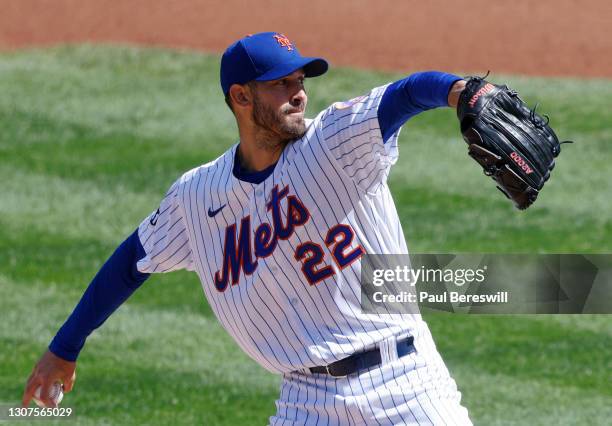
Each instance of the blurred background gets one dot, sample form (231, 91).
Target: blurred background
(562, 38)
(105, 103)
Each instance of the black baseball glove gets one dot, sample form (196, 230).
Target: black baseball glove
(513, 144)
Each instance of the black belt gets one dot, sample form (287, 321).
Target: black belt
(362, 360)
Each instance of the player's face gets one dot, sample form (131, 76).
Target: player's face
(279, 105)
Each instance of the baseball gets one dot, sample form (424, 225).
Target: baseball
(57, 394)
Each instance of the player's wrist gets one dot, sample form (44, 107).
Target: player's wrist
(454, 92)
(62, 351)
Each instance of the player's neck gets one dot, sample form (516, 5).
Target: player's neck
(258, 151)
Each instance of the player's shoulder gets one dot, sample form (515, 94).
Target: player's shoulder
(364, 101)
(341, 117)
(197, 173)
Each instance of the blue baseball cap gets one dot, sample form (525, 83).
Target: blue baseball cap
(263, 57)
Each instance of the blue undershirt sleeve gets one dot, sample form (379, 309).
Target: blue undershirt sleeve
(113, 284)
(412, 95)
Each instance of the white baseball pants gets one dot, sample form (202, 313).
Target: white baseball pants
(413, 390)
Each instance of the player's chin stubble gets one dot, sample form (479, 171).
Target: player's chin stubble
(277, 127)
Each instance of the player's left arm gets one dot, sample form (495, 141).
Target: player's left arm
(362, 133)
(414, 94)
(515, 146)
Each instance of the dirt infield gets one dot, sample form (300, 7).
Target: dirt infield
(545, 37)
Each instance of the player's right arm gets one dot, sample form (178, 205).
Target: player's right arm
(113, 284)
(160, 244)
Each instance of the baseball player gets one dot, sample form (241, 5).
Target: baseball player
(276, 229)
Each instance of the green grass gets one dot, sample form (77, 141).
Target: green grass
(91, 139)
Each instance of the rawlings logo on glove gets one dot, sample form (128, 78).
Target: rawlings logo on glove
(513, 144)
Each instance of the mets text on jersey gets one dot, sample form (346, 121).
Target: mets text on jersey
(238, 253)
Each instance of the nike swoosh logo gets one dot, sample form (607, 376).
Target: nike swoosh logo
(213, 213)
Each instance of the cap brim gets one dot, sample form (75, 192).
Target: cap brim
(313, 67)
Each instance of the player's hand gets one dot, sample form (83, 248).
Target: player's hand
(49, 369)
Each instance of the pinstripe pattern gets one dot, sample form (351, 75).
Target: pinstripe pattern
(289, 316)
(166, 242)
(402, 391)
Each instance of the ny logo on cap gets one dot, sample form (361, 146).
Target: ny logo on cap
(283, 41)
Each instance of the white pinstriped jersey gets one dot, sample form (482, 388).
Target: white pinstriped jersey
(280, 261)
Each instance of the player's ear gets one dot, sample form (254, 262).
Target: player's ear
(240, 95)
